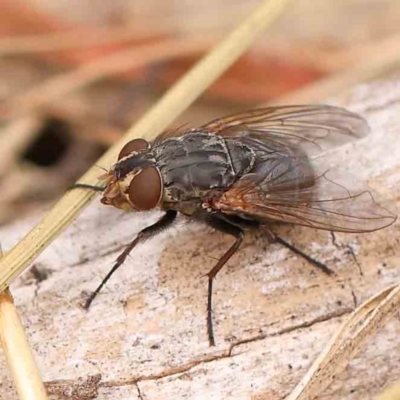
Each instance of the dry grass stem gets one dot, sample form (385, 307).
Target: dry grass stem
(390, 393)
(347, 342)
(18, 353)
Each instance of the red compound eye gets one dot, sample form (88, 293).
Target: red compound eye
(145, 189)
(133, 145)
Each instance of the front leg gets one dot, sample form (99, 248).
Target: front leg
(224, 226)
(163, 223)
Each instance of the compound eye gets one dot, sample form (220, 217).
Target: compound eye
(145, 190)
(134, 145)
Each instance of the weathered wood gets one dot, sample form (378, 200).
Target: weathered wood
(145, 335)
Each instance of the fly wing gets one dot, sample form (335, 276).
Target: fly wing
(312, 127)
(292, 191)
(170, 133)
(317, 127)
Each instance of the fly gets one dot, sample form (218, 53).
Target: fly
(242, 172)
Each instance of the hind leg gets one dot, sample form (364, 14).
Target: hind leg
(277, 239)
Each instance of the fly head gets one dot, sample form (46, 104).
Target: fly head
(134, 183)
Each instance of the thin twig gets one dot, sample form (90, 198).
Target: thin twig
(347, 342)
(177, 99)
(80, 38)
(121, 61)
(18, 353)
(375, 61)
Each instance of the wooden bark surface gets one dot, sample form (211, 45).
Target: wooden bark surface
(145, 335)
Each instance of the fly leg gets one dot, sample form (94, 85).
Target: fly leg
(311, 260)
(274, 238)
(238, 233)
(163, 223)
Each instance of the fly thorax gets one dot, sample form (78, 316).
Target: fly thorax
(197, 163)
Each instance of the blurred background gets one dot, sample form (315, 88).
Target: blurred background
(75, 74)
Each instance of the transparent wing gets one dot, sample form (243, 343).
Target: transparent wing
(170, 133)
(292, 191)
(318, 127)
